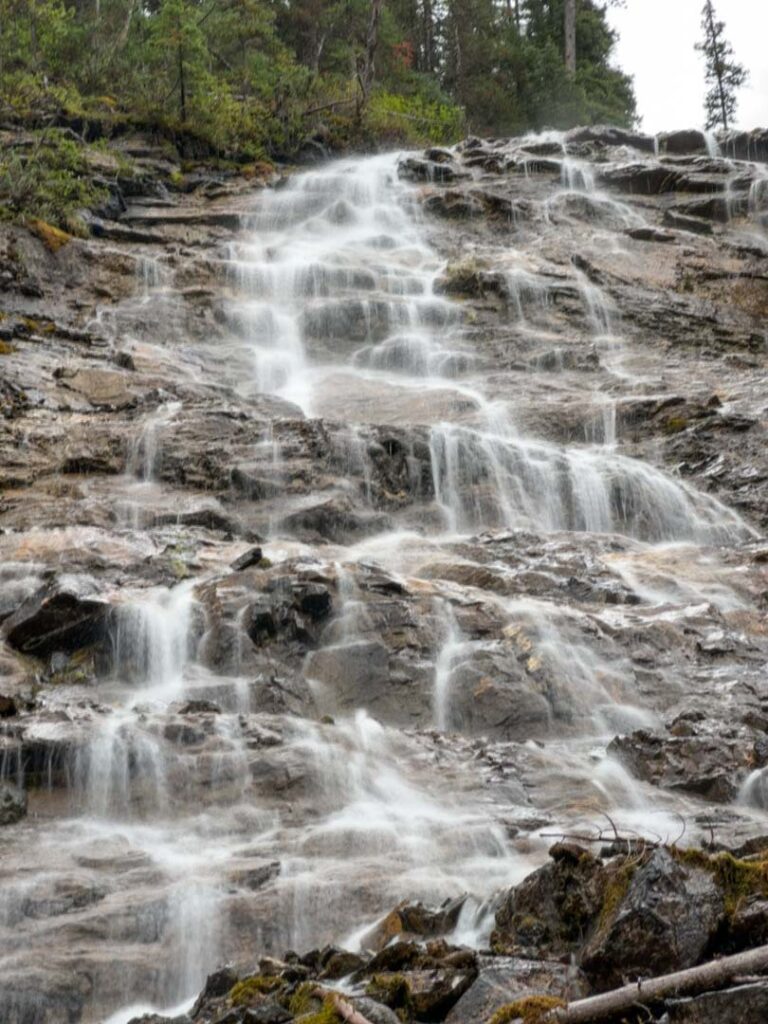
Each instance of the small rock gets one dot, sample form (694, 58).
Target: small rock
(13, 805)
(251, 557)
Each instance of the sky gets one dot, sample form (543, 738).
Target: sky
(656, 40)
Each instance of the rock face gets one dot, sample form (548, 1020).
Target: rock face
(362, 532)
(66, 615)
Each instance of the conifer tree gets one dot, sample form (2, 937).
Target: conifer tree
(723, 74)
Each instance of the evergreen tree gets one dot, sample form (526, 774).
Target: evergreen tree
(723, 74)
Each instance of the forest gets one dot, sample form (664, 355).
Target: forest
(259, 79)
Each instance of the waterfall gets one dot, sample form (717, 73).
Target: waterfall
(453, 575)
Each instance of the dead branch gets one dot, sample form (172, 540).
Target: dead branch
(704, 978)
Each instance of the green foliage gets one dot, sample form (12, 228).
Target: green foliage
(47, 179)
(254, 79)
(413, 120)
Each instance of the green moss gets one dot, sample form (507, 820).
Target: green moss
(265, 563)
(615, 891)
(325, 1015)
(531, 1010)
(394, 991)
(309, 1007)
(248, 990)
(6, 349)
(302, 1001)
(738, 880)
(675, 424)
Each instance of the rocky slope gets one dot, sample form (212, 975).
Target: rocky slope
(363, 533)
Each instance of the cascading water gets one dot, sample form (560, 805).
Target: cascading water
(221, 792)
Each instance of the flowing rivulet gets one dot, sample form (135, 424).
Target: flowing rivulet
(379, 526)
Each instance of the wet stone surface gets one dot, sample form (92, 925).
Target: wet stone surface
(362, 538)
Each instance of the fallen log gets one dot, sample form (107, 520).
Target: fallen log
(704, 978)
(345, 1010)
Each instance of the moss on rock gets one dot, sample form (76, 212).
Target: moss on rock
(529, 1009)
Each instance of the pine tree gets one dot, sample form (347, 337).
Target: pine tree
(723, 74)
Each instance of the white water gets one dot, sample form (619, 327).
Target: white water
(335, 302)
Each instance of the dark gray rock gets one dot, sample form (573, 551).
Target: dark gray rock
(664, 922)
(744, 1004)
(64, 615)
(505, 979)
(13, 805)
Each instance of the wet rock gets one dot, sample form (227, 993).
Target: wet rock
(375, 1012)
(13, 805)
(555, 907)
(64, 615)
(439, 156)
(269, 1012)
(340, 964)
(453, 204)
(282, 696)
(356, 672)
(745, 145)
(217, 984)
(250, 558)
(732, 1006)
(291, 610)
(663, 921)
(427, 995)
(414, 919)
(651, 234)
(642, 179)
(682, 222)
(747, 926)
(103, 389)
(414, 169)
(8, 707)
(702, 761)
(714, 208)
(494, 693)
(682, 142)
(612, 136)
(334, 521)
(502, 980)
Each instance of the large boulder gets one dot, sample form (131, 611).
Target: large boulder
(64, 615)
(414, 919)
(504, 979)
(706, 761)
(662, 921)
(682, 142)
(732, 1006)
(552, 910)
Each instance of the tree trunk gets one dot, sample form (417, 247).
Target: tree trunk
(366, 72)
(429, 38)
(717, 65)
(696, 979)
(182, 83)
(570, 38)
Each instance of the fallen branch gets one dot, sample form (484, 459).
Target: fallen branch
(345, 1010)
(709, 976)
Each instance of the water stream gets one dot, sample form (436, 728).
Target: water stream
(215, 833)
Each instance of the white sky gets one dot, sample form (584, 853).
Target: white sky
(656, 40)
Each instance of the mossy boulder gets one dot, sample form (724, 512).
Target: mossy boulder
(664, 920)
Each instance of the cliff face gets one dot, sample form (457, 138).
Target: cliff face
(362, 530)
